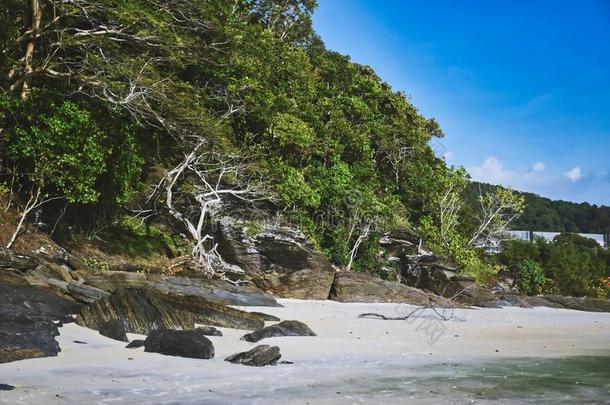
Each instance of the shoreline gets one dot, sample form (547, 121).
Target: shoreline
(346, 351)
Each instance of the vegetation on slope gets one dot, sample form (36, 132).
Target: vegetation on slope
(95, 95)
(544, 214)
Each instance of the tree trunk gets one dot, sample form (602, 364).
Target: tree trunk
(29, 49)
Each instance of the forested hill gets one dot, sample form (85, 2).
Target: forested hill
(544, 214)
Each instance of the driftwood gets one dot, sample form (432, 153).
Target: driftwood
(448, 305)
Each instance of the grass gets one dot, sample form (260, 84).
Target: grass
(134, 239)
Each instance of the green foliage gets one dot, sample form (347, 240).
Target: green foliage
(129, 236)
(530, 277)
(253, 228)
(543, 214)
(64, 147)
(572, 265)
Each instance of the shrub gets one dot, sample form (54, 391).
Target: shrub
(530, 277)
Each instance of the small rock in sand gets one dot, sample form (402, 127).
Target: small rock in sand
(114, 329)
(261, 355)
(134, 344)
(284, 328)
(209, 331)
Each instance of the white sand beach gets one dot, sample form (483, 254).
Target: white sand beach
(352, 360)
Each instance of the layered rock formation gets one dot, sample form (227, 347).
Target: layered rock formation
(278, 259)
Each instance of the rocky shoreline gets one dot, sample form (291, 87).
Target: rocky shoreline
(42, 291)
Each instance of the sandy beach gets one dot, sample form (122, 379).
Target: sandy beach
(352, 360)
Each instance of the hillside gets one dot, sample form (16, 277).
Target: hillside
(544, 214)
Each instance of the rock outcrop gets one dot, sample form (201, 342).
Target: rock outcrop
(182, 343)
(138, 311)
(558, 301)
(22, 337)
(276, 258)
(434, 274)
(261, 355)
(360, 287)
(284, 328)
(141, 311)
(216, 291)
(27, 327)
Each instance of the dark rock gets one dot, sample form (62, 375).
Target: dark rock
(34, 302)
(278, 259)
(55, 271)
(209, 313)
(134, 344)
(261, 355)
(578, 304)
(22, 337)
(360, 287)
(138, 311)
(444, 280)
(6, 387)
(85, 293)
(10, 259)
(209, 331)
(113, 329)
(216, 291)
(182, 343)
(142, 311)
(80, 342)
(266, 317)
(284, 328)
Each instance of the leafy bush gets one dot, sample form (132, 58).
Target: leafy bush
(571, 264)
(530, 277)
(71, 151)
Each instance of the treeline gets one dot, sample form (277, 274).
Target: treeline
(569, 265)
(113, 107)
(544, 214)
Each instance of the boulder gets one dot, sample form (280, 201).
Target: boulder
(261, 355)
(209, 331)
(22, 337)
(182, 343)
(6, 387)
(139, 312)
(134, 344)
(284, 328)
(113, 329)
(34, 302)
(27, 315)
(278, 259)
(360, 287)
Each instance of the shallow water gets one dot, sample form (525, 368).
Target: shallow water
(571, 380)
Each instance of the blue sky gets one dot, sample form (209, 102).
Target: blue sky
(521, 88)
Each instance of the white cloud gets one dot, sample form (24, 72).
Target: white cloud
(492, 171)
(538, 167)
(574, 174)
(448, 156)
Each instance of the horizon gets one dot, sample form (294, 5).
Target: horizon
(526, 108)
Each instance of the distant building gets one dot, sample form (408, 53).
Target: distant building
(493, 246)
